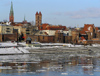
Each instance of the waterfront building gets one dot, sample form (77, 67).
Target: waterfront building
(75, 36)
(7, 33)
(6, 29)
(90, 34)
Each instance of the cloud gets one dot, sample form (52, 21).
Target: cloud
(87, 13)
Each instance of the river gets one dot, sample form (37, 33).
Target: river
(64, 64)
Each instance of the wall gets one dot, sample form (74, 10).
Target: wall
(0, 37)
(9, 37)
(68, 39)
(46, 39)
(59, 37)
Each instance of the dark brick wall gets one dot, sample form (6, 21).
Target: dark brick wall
(75, 36)
(9, 37)
(59, 38)
(46, 39)
(68, 39)
(0, 37)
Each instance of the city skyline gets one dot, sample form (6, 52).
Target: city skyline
(57, 12)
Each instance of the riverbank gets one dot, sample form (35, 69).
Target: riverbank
(9, 48)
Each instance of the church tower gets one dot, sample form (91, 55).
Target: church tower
(11, 15)
(38, 19)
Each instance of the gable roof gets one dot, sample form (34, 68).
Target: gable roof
(87, 27)
(96, 28)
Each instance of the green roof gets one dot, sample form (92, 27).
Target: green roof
(11, 9)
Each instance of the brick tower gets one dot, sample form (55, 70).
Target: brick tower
(11, 15)
(38, 19)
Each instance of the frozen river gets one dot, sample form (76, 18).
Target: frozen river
(64, 64)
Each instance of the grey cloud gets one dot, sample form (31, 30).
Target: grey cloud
(87, 13)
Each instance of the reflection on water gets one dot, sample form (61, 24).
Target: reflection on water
(49, 65)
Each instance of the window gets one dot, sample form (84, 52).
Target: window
(7, 31)
(7, 28)
(27, 30)
(27, 33)
(41, 27)
(43, 37)
(67, 34)
(41, 32)
(34, 29)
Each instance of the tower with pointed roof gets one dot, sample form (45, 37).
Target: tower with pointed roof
(11, 15)
(38, 19)
(25, 21)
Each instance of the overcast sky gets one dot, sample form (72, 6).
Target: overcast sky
(55, 12)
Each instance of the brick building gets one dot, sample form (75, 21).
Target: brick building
(90, 33)
(38, 19)
(75, 36)
(10, 37)
(59, 38)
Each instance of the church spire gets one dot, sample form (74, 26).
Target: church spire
(11, 9)
(11, 15)
(24, 18)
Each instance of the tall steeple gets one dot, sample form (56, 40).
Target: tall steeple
(25, 21)
(11, 15)
(24, 18)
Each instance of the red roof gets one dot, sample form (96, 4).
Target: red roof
(96, 28)
(20, 24)
(56, 28)
(36, 13)
(87, 27)
(48, 27)
(43, 26)
(82, 38)
(40, 13)
(83, 32)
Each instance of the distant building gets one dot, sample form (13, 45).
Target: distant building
(11, 15)
(38, 19)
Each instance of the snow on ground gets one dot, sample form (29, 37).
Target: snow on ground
(16, 50)
(8, 44)
(22, 49)
(13, 50)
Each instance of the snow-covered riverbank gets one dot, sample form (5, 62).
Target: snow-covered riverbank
(13, 48)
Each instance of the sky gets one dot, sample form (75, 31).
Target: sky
(70, 13)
